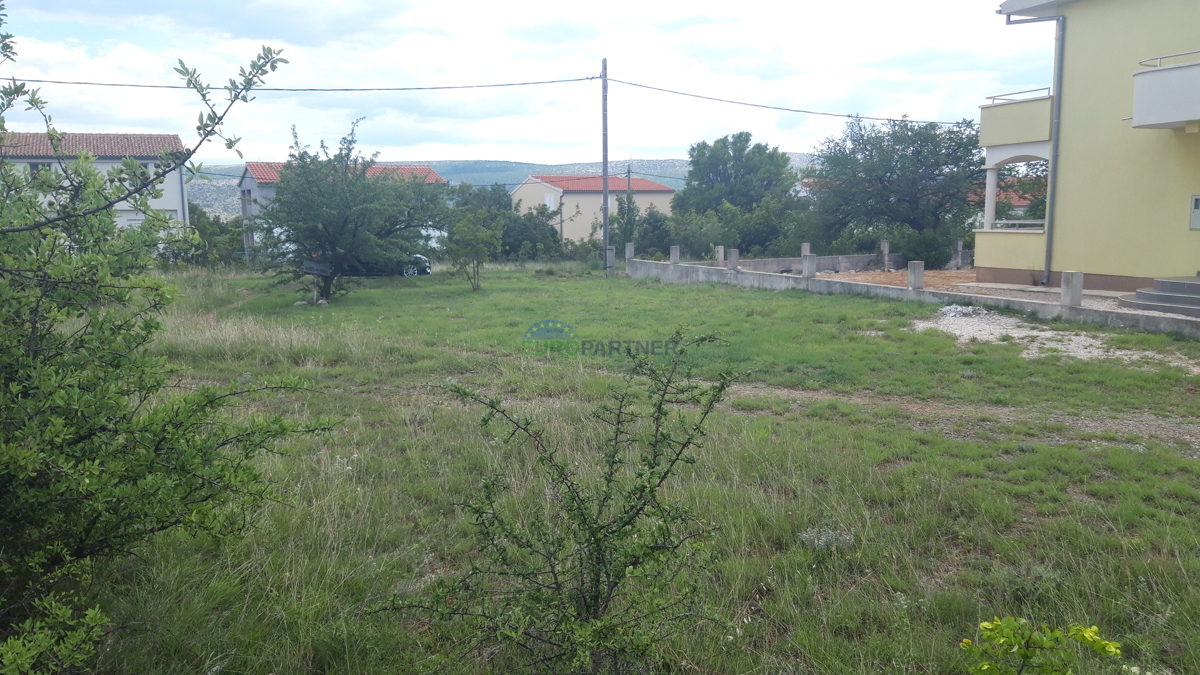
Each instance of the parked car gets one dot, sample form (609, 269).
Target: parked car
(419, 266)
(416, 265)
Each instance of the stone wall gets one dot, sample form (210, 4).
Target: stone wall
(825, 263)
(708, 273)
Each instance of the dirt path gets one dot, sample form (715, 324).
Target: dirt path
(968, 421)
(212, 316)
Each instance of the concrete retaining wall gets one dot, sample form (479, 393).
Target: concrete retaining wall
(825, 263)
(700, 273)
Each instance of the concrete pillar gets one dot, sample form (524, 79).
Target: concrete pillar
(1072, 289)
(805, 249)
(610, 260)
(958, 254)
(886, 247)
(916, 275)
(989, 198)
(674, 255)
(629, 251)
(808, 266)
(720, 254)
(733, 256)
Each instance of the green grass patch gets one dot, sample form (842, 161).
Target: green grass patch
(863, 533)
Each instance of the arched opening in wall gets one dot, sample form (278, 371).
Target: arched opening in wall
(1021, 194)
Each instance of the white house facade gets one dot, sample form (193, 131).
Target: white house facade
(33, 151)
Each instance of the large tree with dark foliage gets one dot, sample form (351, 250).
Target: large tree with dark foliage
(734, 170)
(331, 208)
(921, 175)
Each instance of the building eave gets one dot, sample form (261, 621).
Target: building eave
(1033, 8)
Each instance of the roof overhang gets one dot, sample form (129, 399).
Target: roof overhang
(532, 181)
(1033, 8)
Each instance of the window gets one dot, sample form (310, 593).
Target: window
(37, 167)
(549, 200)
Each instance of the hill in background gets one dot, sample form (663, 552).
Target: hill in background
(219, 194)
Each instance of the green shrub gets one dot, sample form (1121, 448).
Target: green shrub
(1012, 646)
(95, 457)
(593, 581)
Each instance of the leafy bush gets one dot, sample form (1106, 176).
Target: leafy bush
(213, 241)
(1012, 646)
(94, 456)
(611, 567)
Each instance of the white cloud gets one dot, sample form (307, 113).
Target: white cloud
(934, 60)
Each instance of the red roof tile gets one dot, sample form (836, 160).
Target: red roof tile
(595, 184)
(268, 172)
(142, 146)
(264, 172)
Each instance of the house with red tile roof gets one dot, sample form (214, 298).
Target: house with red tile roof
(580, 197)
(32, 151)
(259, 179)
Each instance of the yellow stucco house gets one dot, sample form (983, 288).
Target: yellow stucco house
(580, 198)
(1121, 128)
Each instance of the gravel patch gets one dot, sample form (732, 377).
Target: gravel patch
(978, 324)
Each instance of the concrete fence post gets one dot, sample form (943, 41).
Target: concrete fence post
(629, 251)
(916, 275)
(720, 255)
(805, 249)
(1072, 289)
(674, 255)
(886, 247)
(610, 260)
(733, 259)
(808, 266)
(958, 254)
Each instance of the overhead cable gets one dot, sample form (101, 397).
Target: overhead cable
(317, 89)
(501, 85)
(775, 107)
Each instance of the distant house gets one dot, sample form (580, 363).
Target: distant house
(34, 152)
(580, 197)
(259, 179)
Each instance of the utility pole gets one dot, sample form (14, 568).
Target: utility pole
(608, 270)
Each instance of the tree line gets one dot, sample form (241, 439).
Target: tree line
(918, 185)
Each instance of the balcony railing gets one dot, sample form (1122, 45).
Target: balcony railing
(1011, 97)
(1167, 96)
(1020, 225)
(1156, 61)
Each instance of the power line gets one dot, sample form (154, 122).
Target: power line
(658, 175)
(316, 89)
(775, 107)
(495, 86)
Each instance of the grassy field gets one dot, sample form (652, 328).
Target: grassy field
(972, 482)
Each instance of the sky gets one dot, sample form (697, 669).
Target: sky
(927, 59)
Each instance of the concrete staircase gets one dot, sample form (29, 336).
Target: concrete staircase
(1176, 295)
